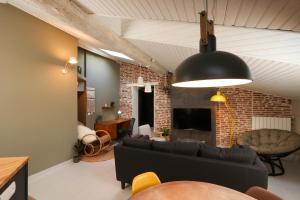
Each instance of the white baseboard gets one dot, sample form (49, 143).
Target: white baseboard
(37, 176)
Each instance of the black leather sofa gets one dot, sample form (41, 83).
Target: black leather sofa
(238, 168)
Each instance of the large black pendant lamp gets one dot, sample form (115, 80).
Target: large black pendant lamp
(211, 68)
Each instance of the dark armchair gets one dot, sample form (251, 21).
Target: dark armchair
(271, 145)
(122, 132)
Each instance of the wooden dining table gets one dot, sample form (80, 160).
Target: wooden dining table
(189, 190)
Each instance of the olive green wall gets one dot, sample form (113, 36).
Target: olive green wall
(37, 103)
(104, 75)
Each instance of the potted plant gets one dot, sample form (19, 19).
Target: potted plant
(78, 150)
(165, 132)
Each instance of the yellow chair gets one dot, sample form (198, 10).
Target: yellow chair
(144, 181)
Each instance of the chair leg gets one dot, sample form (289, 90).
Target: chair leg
(123, 185)
(272, 167)
(272, 162)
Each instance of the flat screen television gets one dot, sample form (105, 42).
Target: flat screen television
(192, 118)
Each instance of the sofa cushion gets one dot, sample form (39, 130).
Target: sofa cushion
(237, 153)
(208, 151)
(162, 146)
(241, 154)
(137, 143)
(142, 137)
(186, 148)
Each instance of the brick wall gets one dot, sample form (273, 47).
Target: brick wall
(162, 102)
(245, 104)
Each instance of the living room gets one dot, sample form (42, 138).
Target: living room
(91, 99)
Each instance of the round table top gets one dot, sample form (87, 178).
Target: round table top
(189, 190)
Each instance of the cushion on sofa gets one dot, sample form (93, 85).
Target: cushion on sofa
(186, 148)
(162, 146)
(138, 143)
(237, 153)
(208, 151)
(139, 136)
(241, 154)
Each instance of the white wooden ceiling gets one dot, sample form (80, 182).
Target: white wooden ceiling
(265, 33)
(272, 14)
(282, 46)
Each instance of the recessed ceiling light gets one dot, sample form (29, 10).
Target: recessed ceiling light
(116, 54)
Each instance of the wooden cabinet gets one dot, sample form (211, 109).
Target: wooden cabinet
(112, 126)
(14, 174)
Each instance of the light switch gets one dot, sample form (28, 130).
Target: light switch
(8, 192)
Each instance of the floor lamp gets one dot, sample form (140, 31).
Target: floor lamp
(220, 98)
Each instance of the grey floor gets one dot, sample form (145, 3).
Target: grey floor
(96, 181)
(288, 185)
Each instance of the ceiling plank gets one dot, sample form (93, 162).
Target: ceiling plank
(271, 13)
(211, 13)
(132, 9)
(292, 22)
(139, 6)
(189, 8)
(147, 6)
(171, 8)
(244, 12)
(164, 9)
(181, 10)
(221, 8)
(285, 14)
(257, 12)
(232, 12)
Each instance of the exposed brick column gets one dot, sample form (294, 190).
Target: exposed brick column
(162, 102)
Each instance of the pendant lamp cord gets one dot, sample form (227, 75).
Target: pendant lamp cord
(205, 3)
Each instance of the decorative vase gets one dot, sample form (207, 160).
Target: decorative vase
(76, 159)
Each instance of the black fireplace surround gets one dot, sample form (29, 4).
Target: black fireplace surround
(193, 98)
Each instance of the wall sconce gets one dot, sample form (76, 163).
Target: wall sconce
(119, 114)
(70, 64)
